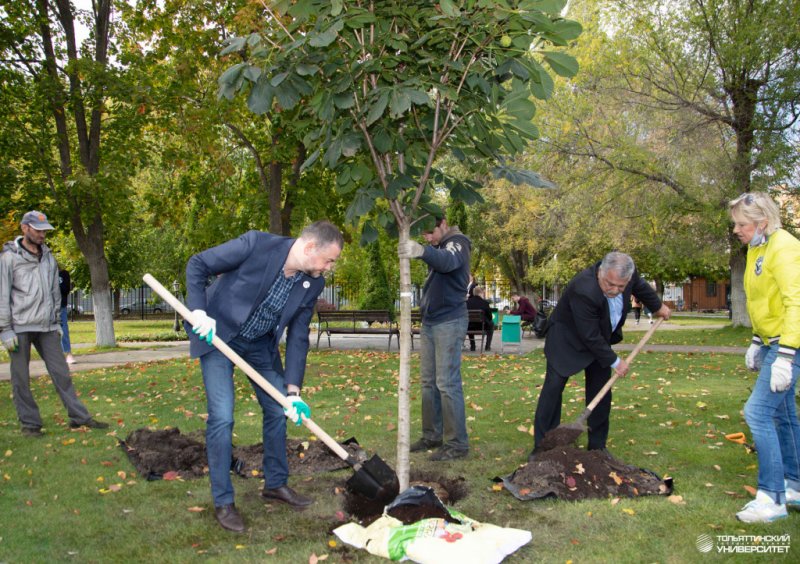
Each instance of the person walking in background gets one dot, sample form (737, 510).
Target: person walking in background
(30, 302)
(477, 301)
(586, 322)
(636, 306)
(65, 286)
(772, 288)
(262, 285)
(444, 326)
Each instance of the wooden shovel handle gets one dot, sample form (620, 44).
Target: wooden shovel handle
(602, 393)
(246, 368)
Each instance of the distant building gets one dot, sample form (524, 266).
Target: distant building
(700, 294)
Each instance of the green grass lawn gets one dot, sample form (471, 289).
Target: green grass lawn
(724, 336)
(59, 502)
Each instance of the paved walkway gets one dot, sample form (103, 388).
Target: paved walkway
(155, 351)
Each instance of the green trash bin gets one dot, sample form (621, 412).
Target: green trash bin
(511, 332)
(495, 316)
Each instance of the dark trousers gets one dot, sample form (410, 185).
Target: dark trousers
(487, 343)
(48, 345)
(548, 409)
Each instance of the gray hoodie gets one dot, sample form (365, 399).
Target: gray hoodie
(30, 298)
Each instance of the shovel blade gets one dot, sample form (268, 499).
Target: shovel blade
(375, 480)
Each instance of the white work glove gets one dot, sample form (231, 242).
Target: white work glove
(10, 342)
(60, 331)
(410, 249)
(204, 326)
(299, 407)
(752, 358)
(781, 377)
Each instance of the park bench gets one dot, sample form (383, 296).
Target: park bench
(356, 322)
(475, 316)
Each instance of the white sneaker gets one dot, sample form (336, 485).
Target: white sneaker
(761, 510)
(70, 359)
(792, 497)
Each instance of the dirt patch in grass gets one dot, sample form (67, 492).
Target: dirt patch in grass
(574, 474)
(155, 453)
(305, 457)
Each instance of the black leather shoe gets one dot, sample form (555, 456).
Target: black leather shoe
(604, 450)
(424, 444)
(32, 432)
(229, 519)
(287, 495)
(91, 423)
(448, 453)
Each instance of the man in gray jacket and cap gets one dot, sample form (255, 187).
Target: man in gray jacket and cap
(30, 300)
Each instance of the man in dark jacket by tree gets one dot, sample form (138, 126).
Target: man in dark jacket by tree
(444, 326)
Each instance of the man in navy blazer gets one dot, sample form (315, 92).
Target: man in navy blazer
(586, 322)
(247, 291)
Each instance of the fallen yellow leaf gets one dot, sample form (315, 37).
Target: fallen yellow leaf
(629, 511)
(676, 499)
(196, 509)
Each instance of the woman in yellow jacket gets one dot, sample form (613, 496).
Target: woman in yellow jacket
(772, 287)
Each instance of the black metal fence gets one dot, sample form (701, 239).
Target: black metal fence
(142, 303)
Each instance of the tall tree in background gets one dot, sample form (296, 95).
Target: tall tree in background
(389, 87)
(81, 124)
(735, 65)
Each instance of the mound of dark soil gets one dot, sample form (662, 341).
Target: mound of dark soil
(156, 452)
(571, 473)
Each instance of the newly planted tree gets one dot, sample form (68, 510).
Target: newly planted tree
(391, 86)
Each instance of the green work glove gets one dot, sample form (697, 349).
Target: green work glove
(299, 408)
(204, 326)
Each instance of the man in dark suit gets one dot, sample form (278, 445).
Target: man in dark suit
(476, 301)
(586, 322)
(264, 284)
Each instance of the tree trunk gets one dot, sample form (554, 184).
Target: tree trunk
(275, 191)
(90, 242)
(739, 315)
(743, 96)
(404, 385)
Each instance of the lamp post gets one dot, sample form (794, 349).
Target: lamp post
(176, 326)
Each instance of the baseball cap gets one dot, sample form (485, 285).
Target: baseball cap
(37, 220)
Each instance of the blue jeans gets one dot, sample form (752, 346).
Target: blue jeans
(772, 418)
(443, 412)
(65, 345)
(218, 381)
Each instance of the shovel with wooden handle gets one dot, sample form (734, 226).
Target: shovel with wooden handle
(373, 478)
(564, 435)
